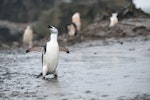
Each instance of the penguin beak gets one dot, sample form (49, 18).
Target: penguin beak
(50, 26)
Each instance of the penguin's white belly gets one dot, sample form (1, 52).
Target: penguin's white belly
(113, 21)
(27, 38)
(50, 58)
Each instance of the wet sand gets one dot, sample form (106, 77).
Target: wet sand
(94, 70)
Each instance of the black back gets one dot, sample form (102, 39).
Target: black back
(43, 53)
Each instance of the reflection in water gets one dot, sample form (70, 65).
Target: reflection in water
(51, 84)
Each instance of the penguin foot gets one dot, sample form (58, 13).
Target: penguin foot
(47, 79)
(39, 75)
(55, 75)
(43, 78)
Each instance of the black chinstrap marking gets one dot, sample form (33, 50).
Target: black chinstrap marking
(49, 26)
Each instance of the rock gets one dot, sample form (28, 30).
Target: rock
(10, 32)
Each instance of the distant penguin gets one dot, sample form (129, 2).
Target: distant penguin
(76, 20)
(50, 53)
(113, 20)
(72, 29)
(27, 37)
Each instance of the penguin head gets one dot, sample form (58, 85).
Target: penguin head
(28, 27)
(114, 14)
(52, 29)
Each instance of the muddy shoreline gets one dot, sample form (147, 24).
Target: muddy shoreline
(127, 28)
(103, 64)
(94, 70)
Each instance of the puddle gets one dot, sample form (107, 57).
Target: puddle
(89, 72)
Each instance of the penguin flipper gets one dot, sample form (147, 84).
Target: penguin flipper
(34, 49)
(44, 47)
(63, 49)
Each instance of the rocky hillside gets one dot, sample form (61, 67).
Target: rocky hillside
(23, 10)
(40, 13)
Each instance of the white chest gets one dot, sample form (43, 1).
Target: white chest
(50, 58)
(113, 21)
(28, 34)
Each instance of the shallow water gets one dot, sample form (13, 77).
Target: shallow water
(92, 71)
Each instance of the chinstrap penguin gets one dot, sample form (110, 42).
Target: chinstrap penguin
(72, 29)
(76, 20)
(28, 36)
(50, 54)
(113, 20)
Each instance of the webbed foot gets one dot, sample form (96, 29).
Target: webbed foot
(39, 75)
